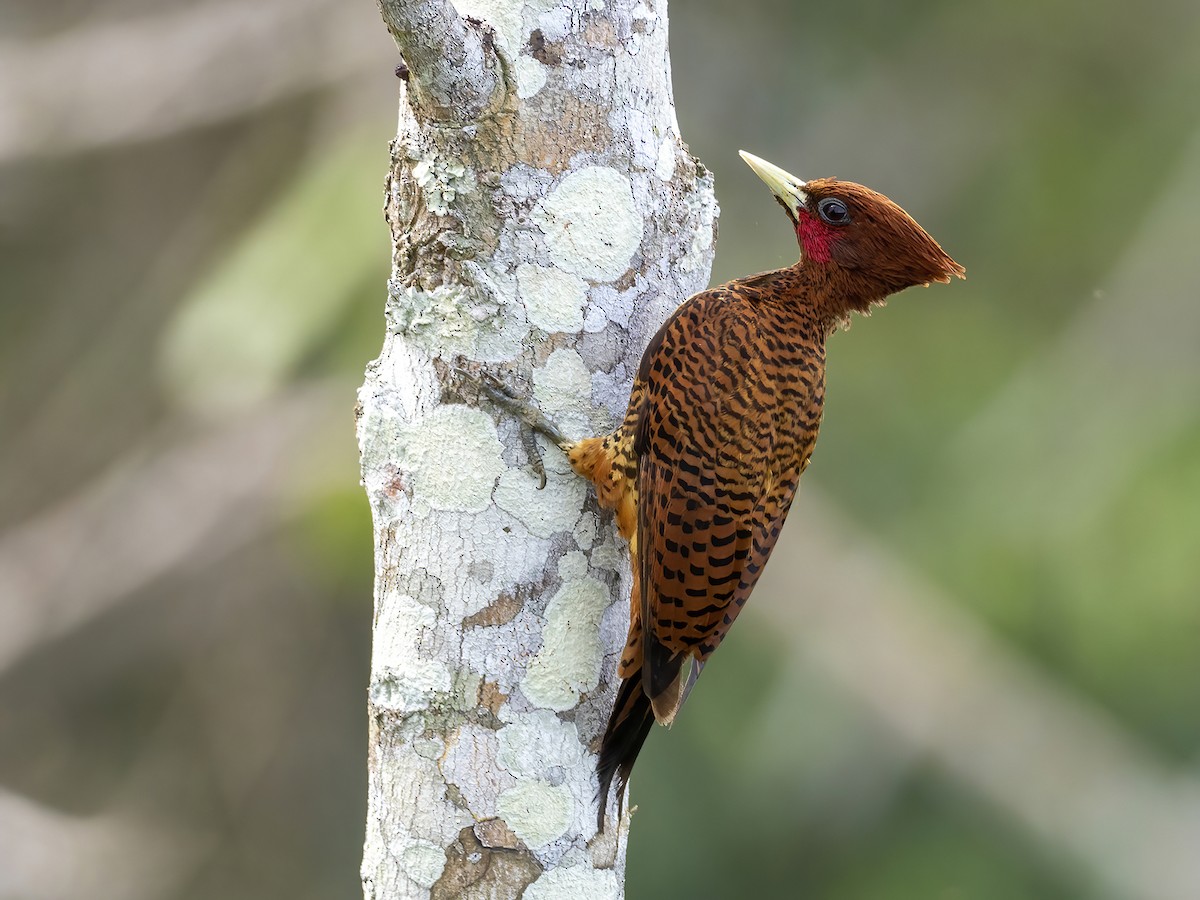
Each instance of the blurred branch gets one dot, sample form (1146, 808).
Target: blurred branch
(154, 76)
(155, 512)
(453, 67)
(48, 855)
(1044, 755)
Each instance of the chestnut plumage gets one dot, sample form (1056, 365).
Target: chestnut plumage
(721, 423)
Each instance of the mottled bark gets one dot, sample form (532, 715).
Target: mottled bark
(546, 217)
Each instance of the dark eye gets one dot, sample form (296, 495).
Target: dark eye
(834, 211)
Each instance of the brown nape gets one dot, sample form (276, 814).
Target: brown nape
(880, 252)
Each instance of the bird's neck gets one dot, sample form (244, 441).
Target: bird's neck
(818, 293)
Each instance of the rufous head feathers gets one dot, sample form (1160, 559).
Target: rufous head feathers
(867, 245)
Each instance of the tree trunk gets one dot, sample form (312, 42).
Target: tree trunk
(545, 217)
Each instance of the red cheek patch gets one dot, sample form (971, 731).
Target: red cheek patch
(816, 238)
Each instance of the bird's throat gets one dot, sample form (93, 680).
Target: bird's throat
(816, 238)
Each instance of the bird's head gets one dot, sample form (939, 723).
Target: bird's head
(867, 245)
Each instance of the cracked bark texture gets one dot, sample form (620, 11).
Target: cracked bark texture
(546, 217)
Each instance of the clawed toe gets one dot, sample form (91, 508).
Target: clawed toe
(497, 389)
(530, 416)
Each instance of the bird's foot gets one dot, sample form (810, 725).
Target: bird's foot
(532, 418)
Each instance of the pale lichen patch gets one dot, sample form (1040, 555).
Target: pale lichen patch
(500, 337)
(573, 564)
(454, 457)
(595, 319)
(423, 862)
(702, 214)
(585, 530)
(579, 882)
(611, 391)
(608, 555)
(470, 753)
(404, 676)
(665, 167)
(415, 785)
(446, 317)
(637, 124)
(503, 344)
(530, 76)
(544, 512)
(606, 304)
(553, 298)
(517, 557)
(409, 690)
(556, 24)
(477, 319)
(503, 15)
(568, 662)
(441, 181)
(536, 811)
(563, 388)
(591, 225)
(429, 747)
(535, 742)
(392, 394)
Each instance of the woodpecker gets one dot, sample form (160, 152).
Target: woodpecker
(721, 423)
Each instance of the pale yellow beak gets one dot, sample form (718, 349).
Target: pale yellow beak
(787, 188)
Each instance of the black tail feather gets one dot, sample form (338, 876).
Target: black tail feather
(660, 665)
(630, 722)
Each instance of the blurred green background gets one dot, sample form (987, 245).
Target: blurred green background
(973, 669)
